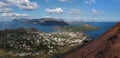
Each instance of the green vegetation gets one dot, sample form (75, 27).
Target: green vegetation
(82, 28)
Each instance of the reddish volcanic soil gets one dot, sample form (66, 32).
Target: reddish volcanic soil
(106, 46)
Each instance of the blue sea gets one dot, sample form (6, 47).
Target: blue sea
(104, 26)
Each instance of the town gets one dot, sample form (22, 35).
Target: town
(23, 42)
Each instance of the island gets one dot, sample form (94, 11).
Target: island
(43, 21)
(80, 28)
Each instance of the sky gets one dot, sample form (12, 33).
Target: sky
(68, 10)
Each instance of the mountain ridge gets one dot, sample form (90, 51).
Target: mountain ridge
(43, 21)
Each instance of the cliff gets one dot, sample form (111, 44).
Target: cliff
(106, 46)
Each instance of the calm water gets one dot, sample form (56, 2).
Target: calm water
(104, 26)
(93, 34)
(15, 25)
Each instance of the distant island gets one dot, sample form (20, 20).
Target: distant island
(81, 28)
(43, 21)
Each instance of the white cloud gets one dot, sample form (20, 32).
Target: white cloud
(5, 10)
(75, 11)
(2, 4)
(22, 4)
(96, 12)
(8, 12)
(60, 0)
(69, 1)
(14, 15)
(56, 10)
(90, 1)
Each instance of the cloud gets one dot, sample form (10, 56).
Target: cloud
(90, 1)
(55, 11)
(8, 12)
(75, 11)
(70, 1)
(2, 4)
(60, 0)
(5, 10)
(63, 0)
(14, 15)
(96, 12)
(22, 4)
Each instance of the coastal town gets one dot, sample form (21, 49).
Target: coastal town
(59, 28)
(23, 42)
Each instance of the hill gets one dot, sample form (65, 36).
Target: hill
(106, 46)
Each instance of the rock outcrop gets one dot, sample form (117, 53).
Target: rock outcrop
(106, 46)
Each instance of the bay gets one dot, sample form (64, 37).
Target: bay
(104, 26)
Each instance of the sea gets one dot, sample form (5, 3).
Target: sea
(104, 26)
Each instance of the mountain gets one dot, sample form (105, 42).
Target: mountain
(43, 21)
(52, 21)
(106, 46)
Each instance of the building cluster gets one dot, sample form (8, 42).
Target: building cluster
(35, 43)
